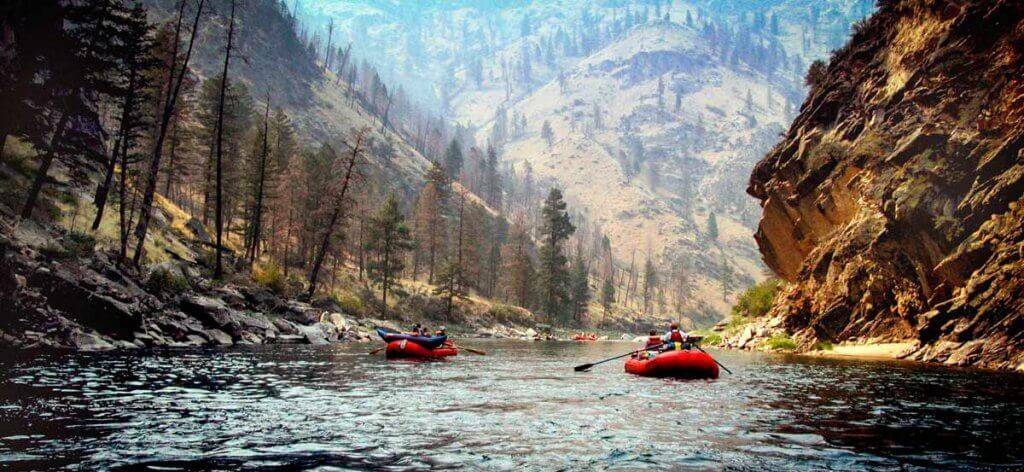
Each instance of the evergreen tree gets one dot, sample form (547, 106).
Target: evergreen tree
(453, 160)
(650, 284)
(607, 296)
(712, 227)
(388, 240)
(579, 289)
(547, 133)
(554, 276)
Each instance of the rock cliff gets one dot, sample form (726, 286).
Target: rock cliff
(894, 202)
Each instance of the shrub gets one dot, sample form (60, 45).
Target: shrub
(780, 342)
(507, 314)
(351, 305)
(712, 339)
(815, 74)
(52, 250)
(822, 346)
(79, 244)
(165, 281)
(271, 277)
(757, 300)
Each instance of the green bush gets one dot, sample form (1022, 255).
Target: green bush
(351, 304)
(52, 250)
(780, 342)
(79, 244)
(757, 300)
(712, 339)
(164, 281)
(822, 346)
(271, 277)
(507, 314)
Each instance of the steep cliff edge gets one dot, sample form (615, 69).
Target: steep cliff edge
(894, 202)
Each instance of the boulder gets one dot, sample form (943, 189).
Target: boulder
(84, 341)
(197, 228)
(66, 292)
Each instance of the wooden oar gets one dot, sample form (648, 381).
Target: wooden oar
(712, 358)
(474, 351)
(581, 368)
(375, 351)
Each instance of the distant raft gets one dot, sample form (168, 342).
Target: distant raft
(683, 364)
(408, 349)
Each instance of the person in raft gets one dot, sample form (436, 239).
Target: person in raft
(418, 330)
(675, 338)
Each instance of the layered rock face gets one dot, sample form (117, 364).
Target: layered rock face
(894, 202)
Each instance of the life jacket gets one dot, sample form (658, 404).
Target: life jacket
(675, 336)
(653, 341)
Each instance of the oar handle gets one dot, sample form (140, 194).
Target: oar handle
(588, 366)
(712, 358)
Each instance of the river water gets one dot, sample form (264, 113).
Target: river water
(520, 407)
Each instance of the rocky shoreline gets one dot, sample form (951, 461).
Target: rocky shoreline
(52, 299)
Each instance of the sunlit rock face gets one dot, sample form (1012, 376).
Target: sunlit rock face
(894, 201)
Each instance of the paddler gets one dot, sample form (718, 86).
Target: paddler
(653, 340)
(675, 338)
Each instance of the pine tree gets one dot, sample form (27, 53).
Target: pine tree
(579, 290)
(177, 78)
(650, 284)
(547, 133)
(453, 160)
(607, 296)
(389, 239)
(134, 58)
(554, 276)
(712, 230)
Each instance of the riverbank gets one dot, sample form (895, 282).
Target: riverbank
(65, 288)
(768, 334)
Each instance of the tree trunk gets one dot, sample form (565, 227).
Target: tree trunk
(218, 270)
(44, 167)
(258, 211)
(169, 101)
(335, 215)
(103, 190)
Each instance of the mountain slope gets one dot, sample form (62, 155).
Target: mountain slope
(271, 59)
(894, 202)
(647, 172)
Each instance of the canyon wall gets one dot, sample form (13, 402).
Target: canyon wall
(893, 205)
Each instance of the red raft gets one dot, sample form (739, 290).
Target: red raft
(406, 349)
(678, 364)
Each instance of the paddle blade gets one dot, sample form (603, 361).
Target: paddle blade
(375, 351)
(474, 351)
(581, 368)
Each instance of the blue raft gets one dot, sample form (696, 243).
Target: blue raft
(429, 342)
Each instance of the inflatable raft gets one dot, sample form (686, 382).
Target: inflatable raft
(429, 342)
(685, 364)
(408, 349)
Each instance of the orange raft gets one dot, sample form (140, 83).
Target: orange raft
(406, 349)
(676, 364)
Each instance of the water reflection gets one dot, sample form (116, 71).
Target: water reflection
(521, 406)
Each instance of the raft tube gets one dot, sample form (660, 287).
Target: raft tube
(677, 364)
(430, 342)
(406, 349)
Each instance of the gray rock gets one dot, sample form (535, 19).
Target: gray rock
(66, 292)
(314, 334)
(197, 228)
(231, 296)
(219, 338)
(88, 341)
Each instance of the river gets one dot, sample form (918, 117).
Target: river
(520, 407)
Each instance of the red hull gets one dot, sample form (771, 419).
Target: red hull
(410, 350)
(678, 364)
